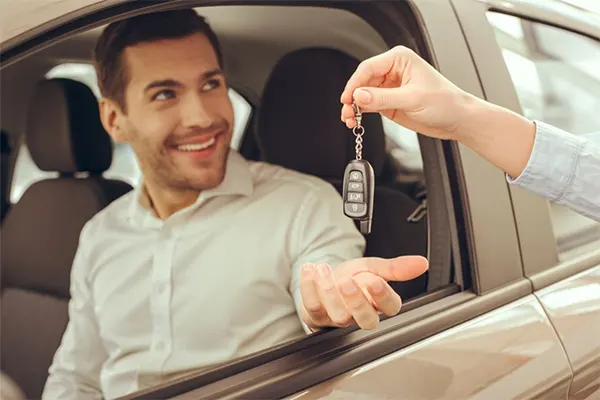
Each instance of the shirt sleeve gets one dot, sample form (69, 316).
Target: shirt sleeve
(325, 235)
(565, 169)
(75, 370)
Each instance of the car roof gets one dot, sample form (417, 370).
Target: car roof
(22, 20)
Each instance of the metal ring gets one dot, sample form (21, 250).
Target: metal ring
(362, 130)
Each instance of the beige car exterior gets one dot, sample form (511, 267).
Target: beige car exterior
(528, 328)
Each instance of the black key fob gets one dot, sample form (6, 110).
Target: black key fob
(359, 192)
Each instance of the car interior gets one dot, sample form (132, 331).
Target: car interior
(289, 64)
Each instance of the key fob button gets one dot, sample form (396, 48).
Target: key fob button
(355, 197)
(355, 209)
(355, 187)
(356, 176)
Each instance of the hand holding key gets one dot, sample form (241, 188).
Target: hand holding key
(355, 291)
(403, 87)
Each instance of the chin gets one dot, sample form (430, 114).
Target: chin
(208, 179)
(199, 174)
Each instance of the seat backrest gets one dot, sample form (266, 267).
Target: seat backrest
(41, 231)
(299, 127)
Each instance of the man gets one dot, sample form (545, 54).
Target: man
(403, 87)
(203, 261)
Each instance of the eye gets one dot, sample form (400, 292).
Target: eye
(211, 85)
(164, 95)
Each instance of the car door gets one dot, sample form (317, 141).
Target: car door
(493, 340)
(543, 62)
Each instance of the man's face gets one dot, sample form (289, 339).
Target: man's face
(179, 117)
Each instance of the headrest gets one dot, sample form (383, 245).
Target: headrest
(64, 132)
(299, 124)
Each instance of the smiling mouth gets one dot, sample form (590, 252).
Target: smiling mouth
(197, 146)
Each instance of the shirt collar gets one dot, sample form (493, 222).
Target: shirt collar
(238, 180)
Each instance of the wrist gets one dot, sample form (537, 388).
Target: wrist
(503, 137)
(472, 118)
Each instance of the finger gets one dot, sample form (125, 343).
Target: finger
(348, 116)
(347, 112)
(402, 268)
(372, 72)
(386, 300)
(359, 306)
(372, 99)
(331, 297)
(315, 311)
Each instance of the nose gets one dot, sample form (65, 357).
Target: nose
(196, 112)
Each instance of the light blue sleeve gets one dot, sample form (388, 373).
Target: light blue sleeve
(565, 169)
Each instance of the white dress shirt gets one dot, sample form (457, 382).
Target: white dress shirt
(151, 299)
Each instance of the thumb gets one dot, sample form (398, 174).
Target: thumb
(402, 268)
(373, 99)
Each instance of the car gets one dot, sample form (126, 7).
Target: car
(510, 307)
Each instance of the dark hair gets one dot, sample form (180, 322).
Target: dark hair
(108, 53)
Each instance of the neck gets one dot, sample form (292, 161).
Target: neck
(166, 201)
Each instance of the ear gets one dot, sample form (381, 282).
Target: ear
(112, 119)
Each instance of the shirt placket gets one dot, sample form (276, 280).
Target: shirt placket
(162, 339)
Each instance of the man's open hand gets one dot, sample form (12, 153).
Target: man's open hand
(355, 291)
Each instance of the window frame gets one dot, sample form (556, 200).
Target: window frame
(457, 173)
(532, 213)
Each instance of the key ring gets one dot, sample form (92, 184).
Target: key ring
(358, 130)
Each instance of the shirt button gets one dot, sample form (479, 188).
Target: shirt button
(160, 287)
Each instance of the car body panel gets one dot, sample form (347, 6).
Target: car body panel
(495, 251)
(509, 353)
(537, 235)
(573, 306)
(538, 246)
(571, 301)
(19, 17)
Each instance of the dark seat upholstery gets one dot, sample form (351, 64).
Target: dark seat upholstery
(299, 128)
(5, 154)
(40, 232)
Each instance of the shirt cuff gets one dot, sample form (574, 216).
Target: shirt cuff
(552, 163)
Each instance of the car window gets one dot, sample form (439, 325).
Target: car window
(124, 165)
(403, 146)
(412, 217)
(556, 74)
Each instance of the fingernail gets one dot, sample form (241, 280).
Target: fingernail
(377, 287)
(308, 270)
(323, 269)
(348, 287)
(363, 96)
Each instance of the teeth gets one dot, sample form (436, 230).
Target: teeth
(196, 147)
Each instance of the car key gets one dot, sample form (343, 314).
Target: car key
(359, 182)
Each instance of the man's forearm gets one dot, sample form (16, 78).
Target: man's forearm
(502, 137)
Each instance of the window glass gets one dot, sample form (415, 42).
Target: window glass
(124, 165)
(404, 153)
(556, 74)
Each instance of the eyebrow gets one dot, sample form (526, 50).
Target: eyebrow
(171, 83)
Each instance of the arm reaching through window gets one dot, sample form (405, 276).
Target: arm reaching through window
(404, 88)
